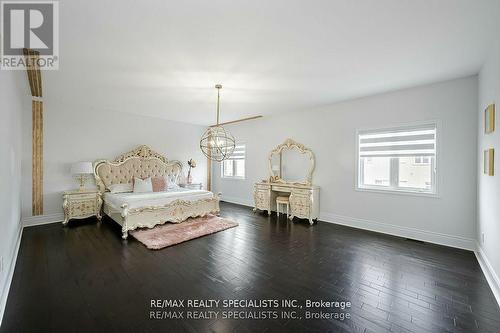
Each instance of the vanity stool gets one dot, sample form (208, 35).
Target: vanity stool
(282, 200)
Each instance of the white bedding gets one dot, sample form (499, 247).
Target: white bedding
(137, 200)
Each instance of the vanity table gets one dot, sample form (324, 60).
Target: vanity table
(291, 166)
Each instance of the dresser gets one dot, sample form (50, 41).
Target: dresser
(304, 199)
(81, 204)
(291, 167)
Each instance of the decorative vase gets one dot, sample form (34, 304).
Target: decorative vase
(189, 177)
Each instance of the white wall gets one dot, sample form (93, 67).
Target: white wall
(73, 133)
(331, 133)
(489, 186)
(13, 93)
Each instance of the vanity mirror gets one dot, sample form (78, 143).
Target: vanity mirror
(291, 167)
(291, 162)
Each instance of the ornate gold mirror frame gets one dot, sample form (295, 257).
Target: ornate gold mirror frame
(290, 144)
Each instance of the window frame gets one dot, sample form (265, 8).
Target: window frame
(395, 189)
(222, 176)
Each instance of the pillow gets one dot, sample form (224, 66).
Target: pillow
(181, 179)
(159, 184)
(142, 185)
(120, 188)
(171, 185)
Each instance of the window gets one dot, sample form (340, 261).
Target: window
(402, 159)
(422, 160)
(234, 166)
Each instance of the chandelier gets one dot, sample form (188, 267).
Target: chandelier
(216, 143)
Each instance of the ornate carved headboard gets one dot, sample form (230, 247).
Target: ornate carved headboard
(141, 162)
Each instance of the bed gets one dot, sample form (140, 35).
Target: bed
(146, 210)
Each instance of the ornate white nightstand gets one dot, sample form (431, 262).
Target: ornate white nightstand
(192, 186)
(81, 204)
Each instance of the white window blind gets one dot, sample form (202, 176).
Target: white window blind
(238, 153)
(234, 166)
(403, 142)
(400, 159)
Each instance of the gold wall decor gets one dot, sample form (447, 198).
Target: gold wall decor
(489, 162)
(209, 174)
(209, 169)
(489, 119)
(37, 158)
(35, 83)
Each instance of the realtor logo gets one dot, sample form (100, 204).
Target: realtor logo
(31, 25)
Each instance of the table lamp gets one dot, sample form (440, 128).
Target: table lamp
(81, 171)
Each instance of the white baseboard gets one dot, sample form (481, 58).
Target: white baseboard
(400, 231)
(42, 219)
(489, 272)
(385, 228)
(10, 275)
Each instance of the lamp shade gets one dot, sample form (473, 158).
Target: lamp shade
(79, 168)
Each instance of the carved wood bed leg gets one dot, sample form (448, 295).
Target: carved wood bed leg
(65, 209)
(218, 196)
(99, 206)
(125, 218)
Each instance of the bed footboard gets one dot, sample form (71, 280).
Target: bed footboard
(175, 212)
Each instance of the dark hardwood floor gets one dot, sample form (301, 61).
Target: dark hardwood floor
(84, 278)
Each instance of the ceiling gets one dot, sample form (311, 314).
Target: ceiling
(162, 58)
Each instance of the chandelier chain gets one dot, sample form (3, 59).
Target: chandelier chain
(218, 103)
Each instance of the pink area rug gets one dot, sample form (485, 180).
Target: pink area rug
(170, 234)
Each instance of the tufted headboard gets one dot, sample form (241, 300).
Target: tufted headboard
(141, 162)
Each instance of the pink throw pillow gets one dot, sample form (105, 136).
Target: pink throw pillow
(159, 184)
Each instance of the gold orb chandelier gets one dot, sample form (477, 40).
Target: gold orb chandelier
(217, 143)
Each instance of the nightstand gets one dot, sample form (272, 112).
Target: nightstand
(192, 186)
(81, 204)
